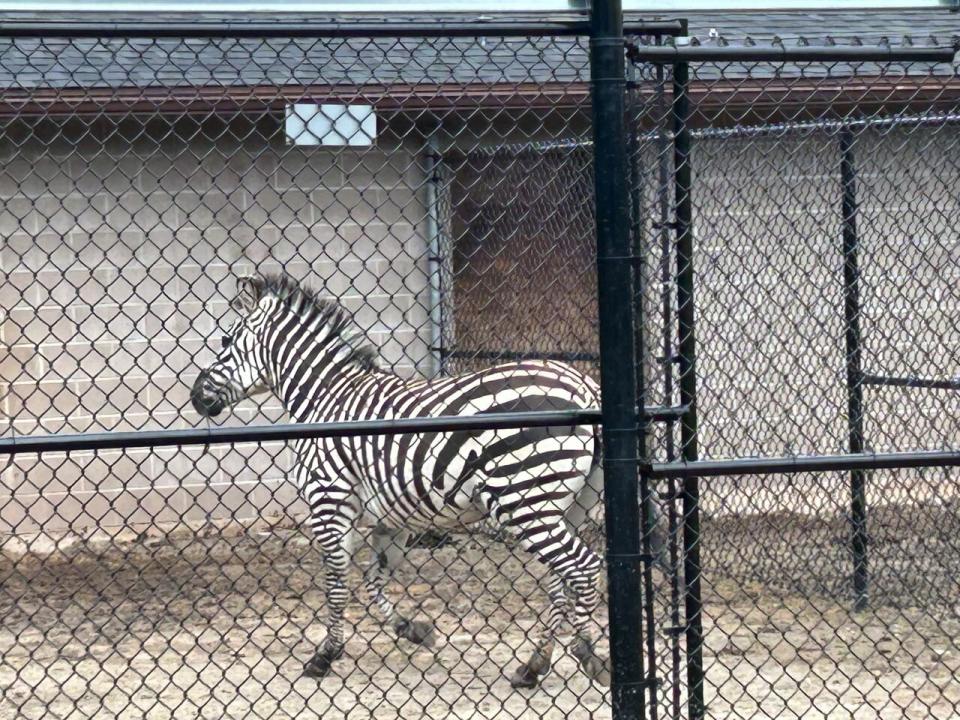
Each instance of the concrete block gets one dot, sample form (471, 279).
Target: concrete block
(307, 170)
(196, 466)
(35, 326)
(279, 208)
(381, 167)
(18, 215)
(19, 363)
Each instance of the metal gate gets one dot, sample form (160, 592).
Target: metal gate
(800, 193)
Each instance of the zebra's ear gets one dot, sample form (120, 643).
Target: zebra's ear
(248, 294)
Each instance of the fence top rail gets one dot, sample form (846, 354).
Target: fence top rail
(736, 131)
(797, 53)
(345, 29)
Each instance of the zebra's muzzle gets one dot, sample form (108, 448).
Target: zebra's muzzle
(207, 404)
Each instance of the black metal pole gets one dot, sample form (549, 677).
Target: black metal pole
(621, 437)
(688, 387)
(795, 53)
(790, 464)
(503, 355)
(648, 517)
(851, 293)
(909, 382)
(667, 361)
(277, 433)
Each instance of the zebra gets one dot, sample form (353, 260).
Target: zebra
(535, 483)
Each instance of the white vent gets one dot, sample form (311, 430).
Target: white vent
(310, 124)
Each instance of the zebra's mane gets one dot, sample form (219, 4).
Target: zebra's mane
(309, 304)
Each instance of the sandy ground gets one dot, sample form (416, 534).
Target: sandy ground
(216, 623)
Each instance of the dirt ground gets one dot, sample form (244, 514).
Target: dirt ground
(216, 623)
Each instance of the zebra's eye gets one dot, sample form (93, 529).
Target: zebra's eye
(226, 341)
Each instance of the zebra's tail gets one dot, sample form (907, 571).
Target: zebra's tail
(588, 502)
(585, 515)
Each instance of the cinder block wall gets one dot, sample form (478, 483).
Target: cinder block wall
(770, 301)
(119, 244)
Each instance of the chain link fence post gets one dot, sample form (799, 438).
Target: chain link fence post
(851, 294)
(688, 385)
(618, 378)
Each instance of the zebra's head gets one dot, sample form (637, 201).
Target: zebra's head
(240, 369)
(275, 314)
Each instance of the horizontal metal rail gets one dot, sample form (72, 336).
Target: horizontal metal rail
(294, 431)
(664, 412)
(740, 131)
(782, 53)
(910, 382)
(518, 355)
(93, 29)
(806, 463)
(845, 124)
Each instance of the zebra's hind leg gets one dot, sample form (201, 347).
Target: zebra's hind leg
(529, 673)
(582, 581)
(575, 568)
(389, 547)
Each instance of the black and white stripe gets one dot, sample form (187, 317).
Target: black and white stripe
(308, 351)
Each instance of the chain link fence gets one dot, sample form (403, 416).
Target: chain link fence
(142, 177)
(822, 211)
(793, 214)
(523, 218)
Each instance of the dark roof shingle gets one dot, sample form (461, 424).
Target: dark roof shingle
(30, 63)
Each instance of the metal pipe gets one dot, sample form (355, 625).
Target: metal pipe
(850, 123)
(688, 388)
(519, 355)
(639, 252)
(294, 431)
(240, 29)
(666, 350)
(449, 8)
(618, 380)
(782, 53)
(435, 257)
(910, 382)
(854, 341)
(740, 131)
(807, 464)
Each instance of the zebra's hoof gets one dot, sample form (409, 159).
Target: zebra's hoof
(416, 631)
(524, 677)
(596, 669)
(317, 667)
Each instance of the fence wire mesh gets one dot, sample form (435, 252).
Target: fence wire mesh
(524, 223)
(141, 179)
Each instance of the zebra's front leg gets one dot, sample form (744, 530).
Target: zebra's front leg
(389, 547)
(337, 550)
